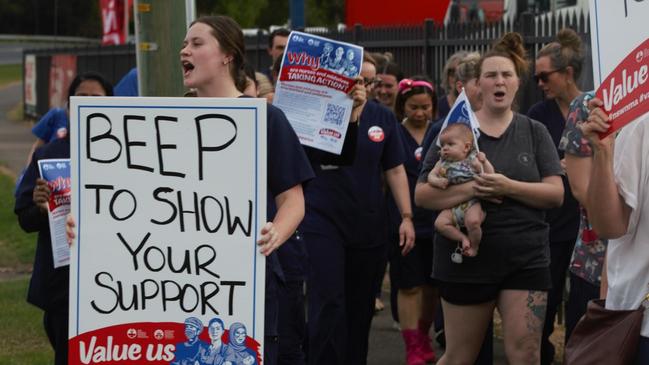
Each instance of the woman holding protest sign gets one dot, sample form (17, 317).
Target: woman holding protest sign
(49, 286)
(558, 66)
(511, 272)
(410, 273)
(617, 200)
(212, 57)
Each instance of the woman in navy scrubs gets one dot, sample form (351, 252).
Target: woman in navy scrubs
(411, 273)
(212, 58)
(49, 286)
(345, 233)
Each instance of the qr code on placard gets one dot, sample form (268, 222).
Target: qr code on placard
(334, 114)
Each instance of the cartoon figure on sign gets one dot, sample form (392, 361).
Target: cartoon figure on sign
(338, 64)
(350, 69)
(217, 353)
(187, 352)
(242, 355)
(325, 57)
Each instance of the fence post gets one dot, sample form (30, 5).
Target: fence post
(428, 51)
(257, 51)
(526, 27)
(358, 33)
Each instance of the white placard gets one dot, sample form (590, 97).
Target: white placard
(169, 195)
(620, 42)
(616, 28)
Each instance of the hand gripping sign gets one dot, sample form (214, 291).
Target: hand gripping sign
(620, 43)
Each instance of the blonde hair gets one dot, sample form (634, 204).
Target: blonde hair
(264, 86)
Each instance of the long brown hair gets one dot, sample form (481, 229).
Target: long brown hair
(230, 37)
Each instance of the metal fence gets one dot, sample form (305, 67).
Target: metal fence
(113, 62)
(420, 49)
(424, 49)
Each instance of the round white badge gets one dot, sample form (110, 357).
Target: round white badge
(376, 134)
(418, 153)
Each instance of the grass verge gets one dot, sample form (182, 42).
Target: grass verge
(22, 337)
(16, 247)
(10, 73)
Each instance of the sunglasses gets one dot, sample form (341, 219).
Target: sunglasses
(368, 81)
(545, 76)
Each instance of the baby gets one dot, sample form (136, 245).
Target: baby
(458, 163)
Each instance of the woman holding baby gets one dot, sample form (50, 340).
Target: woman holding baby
(511, 269)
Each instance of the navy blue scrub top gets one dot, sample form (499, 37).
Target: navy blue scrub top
(48, 287)
(287, 166)
(422, 218)
(564, 220)
(350, 199)
(293, 256)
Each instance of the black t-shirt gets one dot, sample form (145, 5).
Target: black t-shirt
(515, 236)
(564, 220)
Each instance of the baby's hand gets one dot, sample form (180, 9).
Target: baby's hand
(437, 181)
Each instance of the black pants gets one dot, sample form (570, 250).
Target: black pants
(56, 327)
(292, 326)
(560, 254)
(341, 291)
(581, 291)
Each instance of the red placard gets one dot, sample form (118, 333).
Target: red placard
(62, 70)
(114, 19)
(625, 91)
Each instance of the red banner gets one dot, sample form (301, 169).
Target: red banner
(142, 343)
(114, 19)
(373, 13)
(625, 92)
(62, 70)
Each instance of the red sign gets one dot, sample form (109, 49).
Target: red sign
(373, 13)
(114, 19)
(62, 70)
(625, 92)
(145, 343)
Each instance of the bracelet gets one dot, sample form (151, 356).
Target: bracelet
(406, 216)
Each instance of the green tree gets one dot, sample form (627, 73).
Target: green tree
(324, 13)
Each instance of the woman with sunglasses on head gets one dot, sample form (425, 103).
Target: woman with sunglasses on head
(49, 286)
(511, 272)
(410, 272)
(558, 66)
